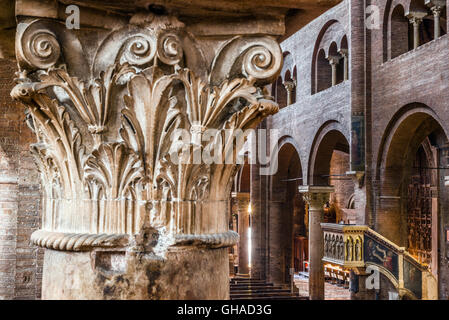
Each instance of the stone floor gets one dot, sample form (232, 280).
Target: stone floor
(331, 291)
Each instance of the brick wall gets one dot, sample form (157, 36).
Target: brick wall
(379, 89)
(20, 262)
(344, 186)
(299, 124)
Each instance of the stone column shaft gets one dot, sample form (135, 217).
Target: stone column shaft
(436, 10)
(416, 19)
(333, 61)
(316, 197)
(243, 201)
(290, 88)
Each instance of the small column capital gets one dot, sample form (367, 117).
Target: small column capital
(436, 10)
(316, 196)
(333, 60)
(416, 17)
(289, 85)
(343, 52)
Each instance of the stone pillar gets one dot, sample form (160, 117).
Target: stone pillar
(259, 222)
(344, 54)
(121, 114)
(333, 61)
(316, 197)
(436, 10)
(290, 87)
(362, 293)
(243, 201)
(415, 19)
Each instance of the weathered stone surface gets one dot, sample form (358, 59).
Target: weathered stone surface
(191, 273)
(115, 176)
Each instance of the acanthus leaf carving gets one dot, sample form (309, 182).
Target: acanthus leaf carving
(91, 100)
(116, 166)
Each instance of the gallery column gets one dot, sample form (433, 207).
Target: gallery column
(290, 88)
(316, 197)
(243, 200)
(333, 61)
(416, 19)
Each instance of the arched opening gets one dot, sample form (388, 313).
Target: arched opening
(399, 33)
(426, 26)
(344, 52)
(287, 219)
(323, 72)
(412, 168)
(330, 162)
(279, 93)
(419, 204)
(332, 33)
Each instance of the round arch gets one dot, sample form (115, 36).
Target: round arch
(322, 43)
(329, 137)
(286, 217)
(409, 173)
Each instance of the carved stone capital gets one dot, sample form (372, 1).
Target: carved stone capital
(334, 60)
(289, 85)
(343, 52)
(316, 196)
(106, 114)
(416, 17)
(436, 11)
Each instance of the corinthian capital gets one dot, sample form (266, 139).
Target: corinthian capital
(316, 196)
(105, 114)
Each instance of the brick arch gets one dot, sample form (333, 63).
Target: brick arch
(323, 78)
(333, 49)
(289, 162)
(289, 65)
(412, 127)
(283, 141)
(331, 31)
(395, 19)
(413, 114)
(286, 211)
(331, 136)
(397, 32)
(279, 92)
(416, 5)
(343, 43)
(242, 179)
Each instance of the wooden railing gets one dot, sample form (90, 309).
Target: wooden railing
(358, 246)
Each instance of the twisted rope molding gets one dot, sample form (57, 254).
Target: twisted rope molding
(215, 240)
(87, 241)
(77, 241)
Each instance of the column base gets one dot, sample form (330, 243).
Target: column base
(184, 273)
